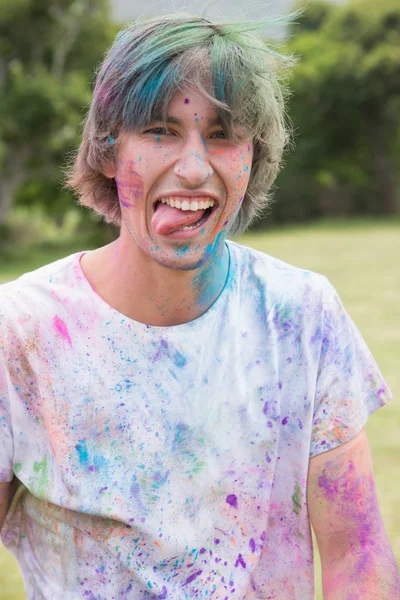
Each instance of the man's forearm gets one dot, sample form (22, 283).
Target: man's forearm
(368, 572)
(4, 501)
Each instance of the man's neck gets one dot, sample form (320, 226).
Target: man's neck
(150, 293)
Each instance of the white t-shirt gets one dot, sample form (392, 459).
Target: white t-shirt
(171, 462)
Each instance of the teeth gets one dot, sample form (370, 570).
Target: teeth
(186, 205)
(200, 222)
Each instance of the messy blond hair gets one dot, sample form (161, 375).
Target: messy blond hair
(148, 63)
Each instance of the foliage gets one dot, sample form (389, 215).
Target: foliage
(345, 112)
(48, 52)
(345, 105)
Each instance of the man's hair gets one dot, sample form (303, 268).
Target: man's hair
(153, 59)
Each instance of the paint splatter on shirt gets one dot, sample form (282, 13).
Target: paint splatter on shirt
(171, 462)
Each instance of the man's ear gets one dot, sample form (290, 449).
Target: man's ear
(109, 169)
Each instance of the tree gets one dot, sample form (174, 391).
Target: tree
(48, 52)
(345, 107)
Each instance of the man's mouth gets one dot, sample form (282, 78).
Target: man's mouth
(174, 214)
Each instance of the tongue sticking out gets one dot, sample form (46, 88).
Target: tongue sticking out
(166, 219)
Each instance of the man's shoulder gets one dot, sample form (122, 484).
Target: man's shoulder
(47, 273)
(277, 275)
(37, 287)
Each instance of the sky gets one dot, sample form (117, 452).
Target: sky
(124, 10)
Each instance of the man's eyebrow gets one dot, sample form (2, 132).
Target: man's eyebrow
(172, 120)
(214, 121)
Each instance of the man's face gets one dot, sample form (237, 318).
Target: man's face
(188, 164)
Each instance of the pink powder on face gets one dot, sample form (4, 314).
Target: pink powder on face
(126, 204)
(62, 329)
(129, 184)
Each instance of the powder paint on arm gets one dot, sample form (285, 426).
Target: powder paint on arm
(356, 558)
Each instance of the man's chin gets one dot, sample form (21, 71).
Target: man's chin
(182, 263)
(185, 258)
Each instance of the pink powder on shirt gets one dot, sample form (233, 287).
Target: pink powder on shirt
(62, 329)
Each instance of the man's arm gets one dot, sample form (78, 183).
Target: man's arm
(4, 500)
(357, 561)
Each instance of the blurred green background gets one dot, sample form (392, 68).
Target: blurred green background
(345, 109)
(336, 204)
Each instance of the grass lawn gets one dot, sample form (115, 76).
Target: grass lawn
(362, 260)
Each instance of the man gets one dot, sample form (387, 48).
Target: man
(176, 408)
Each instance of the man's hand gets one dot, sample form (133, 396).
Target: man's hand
(357, 561)
(4, 500)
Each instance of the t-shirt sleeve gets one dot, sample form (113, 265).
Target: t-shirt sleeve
(350, 385)
(6, 437)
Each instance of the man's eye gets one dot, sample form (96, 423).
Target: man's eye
(159, 131)
(219, 135)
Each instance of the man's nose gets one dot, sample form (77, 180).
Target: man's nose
(193, 163)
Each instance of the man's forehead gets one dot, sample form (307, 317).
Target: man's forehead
(189, 97)
(173, 120)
